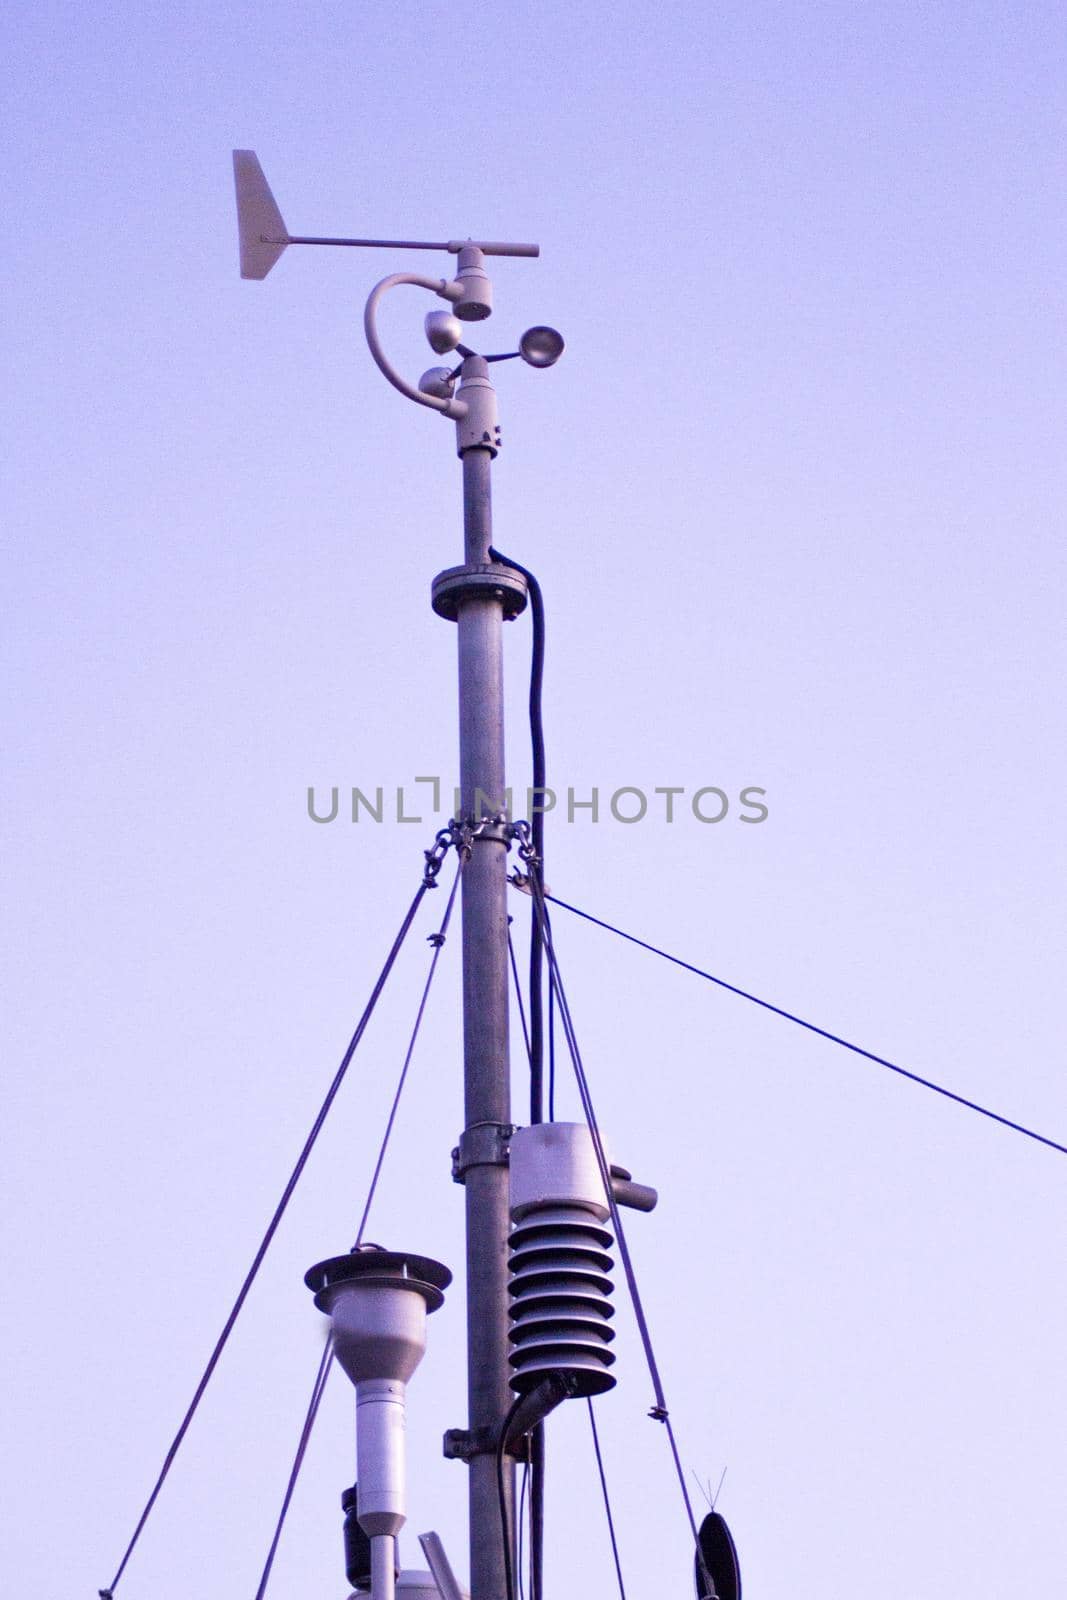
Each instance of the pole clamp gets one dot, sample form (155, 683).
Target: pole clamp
(483, 1144)
(463, 1444)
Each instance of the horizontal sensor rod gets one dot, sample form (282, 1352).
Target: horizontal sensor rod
(454, 246)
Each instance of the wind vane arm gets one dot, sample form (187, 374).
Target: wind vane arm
(488, 247)
(264, 236)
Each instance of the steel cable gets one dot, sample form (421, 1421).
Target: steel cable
(518, 996)
(660, 1410)
(823, 1033)
(298, 1460)
(607, 1499)
(272, 1226)
(437, 940)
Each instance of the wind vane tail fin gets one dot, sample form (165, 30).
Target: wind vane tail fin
(262, 233)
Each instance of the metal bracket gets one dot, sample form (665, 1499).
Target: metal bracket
(487, 580)
(463, 1444)
(484, 1144)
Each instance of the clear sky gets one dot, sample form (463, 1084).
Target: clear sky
(795, 495)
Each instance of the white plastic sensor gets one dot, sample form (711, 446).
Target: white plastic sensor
(377, 1302)
(476, 301)
(477, 428)
(558, 1266)
(555, 1164)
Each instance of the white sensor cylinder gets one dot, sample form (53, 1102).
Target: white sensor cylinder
(555, 1164)
(379, 1333)
(377, 1302)
(478, 428)
(476, 301)
(380, 1455)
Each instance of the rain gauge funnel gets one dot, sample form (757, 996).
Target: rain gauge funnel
(377, 1302)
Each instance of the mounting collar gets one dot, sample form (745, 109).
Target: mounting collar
(484, 1144)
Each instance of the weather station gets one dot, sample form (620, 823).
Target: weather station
(543, 1201)
(546, 1249)
(538, 1198)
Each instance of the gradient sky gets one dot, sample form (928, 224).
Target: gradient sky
(795, 495)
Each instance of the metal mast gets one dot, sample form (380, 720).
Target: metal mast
(486, 1071)
(478, 596)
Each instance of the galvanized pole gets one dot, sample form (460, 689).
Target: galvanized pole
(479, 595)
(486, 1069)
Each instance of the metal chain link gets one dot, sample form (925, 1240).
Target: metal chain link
(460, 836)
(435, 856)
(522, 833)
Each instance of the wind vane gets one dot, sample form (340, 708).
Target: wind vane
(263, 237)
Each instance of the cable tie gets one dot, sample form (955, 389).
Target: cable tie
(659, 1413)
(436, 939)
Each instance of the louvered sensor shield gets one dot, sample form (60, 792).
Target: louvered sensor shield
(561, 1305)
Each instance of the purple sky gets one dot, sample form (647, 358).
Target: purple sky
(795, 495)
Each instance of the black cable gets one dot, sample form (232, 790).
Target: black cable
(537, 828)
(534, 1469)
(521, 1522)
(298, 1460)
(535, 1042)
(438, 941)
(537, 1512)
(607, 1500)
(502, 1497)
(272, 1228)
(823, 1033)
